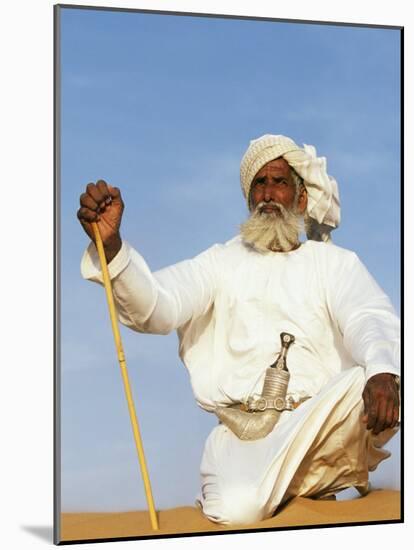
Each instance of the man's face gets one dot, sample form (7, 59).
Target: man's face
(276, 209)
(273, 183)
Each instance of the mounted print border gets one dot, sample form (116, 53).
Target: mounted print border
(163, 105)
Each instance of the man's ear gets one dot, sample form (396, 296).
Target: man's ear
(303, 200)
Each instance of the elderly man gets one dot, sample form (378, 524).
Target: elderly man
(336, 404)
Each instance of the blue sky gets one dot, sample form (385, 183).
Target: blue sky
(164, 107)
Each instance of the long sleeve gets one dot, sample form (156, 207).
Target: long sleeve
(364, 316)
(156, 302)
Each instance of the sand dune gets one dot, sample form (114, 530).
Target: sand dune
(376, 506)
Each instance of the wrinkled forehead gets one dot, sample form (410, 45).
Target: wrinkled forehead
(276, 166)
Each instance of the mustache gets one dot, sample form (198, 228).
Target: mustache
(279, 208)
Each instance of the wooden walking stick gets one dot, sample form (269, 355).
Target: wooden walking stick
(124, 372)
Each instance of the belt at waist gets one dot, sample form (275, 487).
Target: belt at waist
(244, 407)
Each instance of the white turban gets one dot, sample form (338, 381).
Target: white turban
(323, 199)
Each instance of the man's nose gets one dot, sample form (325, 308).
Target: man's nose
(268, 192)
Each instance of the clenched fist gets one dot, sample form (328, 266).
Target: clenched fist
(103, 204)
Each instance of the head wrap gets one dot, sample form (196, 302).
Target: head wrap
(323, 207)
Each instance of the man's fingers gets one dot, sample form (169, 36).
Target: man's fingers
(96, 194)
(366, 399)
(389, 415)
(87, 201)
(115, 193)
(372, 415)
(380, 422)
(103, 193)
(104, 189)
(396, 414)
(87, 215)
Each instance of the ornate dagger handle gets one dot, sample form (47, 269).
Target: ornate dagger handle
(286, 341)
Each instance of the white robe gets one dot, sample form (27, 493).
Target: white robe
(229, 305)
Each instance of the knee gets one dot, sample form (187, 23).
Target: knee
(241, 506)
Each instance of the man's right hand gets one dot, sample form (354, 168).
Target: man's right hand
(103, 204)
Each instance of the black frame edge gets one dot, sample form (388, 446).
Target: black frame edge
(56, 279)
(227, 16)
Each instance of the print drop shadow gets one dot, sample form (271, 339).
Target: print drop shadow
(44, 532)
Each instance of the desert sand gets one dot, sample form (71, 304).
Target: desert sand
(379, 505)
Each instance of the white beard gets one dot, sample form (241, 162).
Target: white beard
(278, 230)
